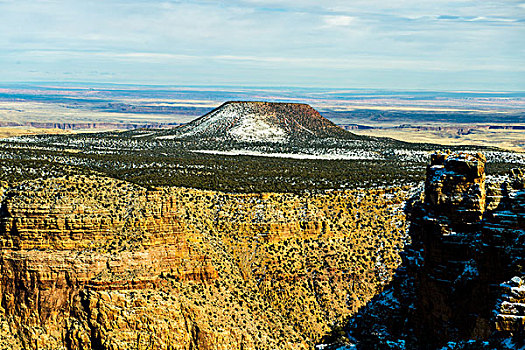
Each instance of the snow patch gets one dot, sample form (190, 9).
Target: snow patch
(241, 152)
(252, 129)
(236, 121)
(143, 135)
(170, 137)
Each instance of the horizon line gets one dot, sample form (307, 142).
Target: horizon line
(243, 86)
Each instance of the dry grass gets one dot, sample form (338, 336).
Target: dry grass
(19, 131)
(507, 139)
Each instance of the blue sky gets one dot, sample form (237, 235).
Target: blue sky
(393, 44)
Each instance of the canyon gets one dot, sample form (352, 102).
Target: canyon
(90, 262)
(172, 239)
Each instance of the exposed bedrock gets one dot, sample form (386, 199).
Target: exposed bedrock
(461, 276)
(89, 262)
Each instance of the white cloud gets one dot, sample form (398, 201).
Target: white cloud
(338, 21)
(490, 19)
(273, 36)
(311, 62)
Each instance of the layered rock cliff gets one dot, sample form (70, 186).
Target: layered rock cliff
(461, 279)
(89, 262)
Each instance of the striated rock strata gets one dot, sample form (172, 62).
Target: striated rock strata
(89, 262)
(461, 280)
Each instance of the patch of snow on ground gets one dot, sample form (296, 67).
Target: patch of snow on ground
(170, 137)
(143, 135)
(252, 128)
(362, 155)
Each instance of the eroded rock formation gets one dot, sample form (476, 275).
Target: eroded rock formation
(89, 262)
(460, 283)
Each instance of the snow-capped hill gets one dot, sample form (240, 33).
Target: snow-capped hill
(260, 122)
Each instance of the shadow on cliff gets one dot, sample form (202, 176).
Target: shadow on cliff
(455, 287)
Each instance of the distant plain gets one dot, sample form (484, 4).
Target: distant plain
(510, 139)
(447, 118)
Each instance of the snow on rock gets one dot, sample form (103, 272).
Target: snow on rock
(260, 122)
(253, 128)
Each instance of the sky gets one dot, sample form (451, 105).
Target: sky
(389, 44)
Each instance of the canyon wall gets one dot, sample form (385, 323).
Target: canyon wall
(461, 282)
(90, 262)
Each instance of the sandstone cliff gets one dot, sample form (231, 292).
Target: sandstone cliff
(89, 262)
(461, 279)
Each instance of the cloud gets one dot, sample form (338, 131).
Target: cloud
(490, 19)
(338, 21)
(485, 19)
(188, 39)
(311, 62)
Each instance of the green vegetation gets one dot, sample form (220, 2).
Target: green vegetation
(141, 157)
